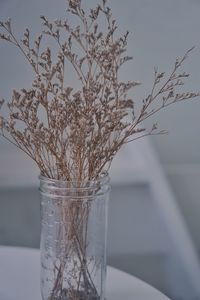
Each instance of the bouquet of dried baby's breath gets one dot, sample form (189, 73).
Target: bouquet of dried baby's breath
(75, 134)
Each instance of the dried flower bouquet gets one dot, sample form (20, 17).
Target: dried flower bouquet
(73, 135)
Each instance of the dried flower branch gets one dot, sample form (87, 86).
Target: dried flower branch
(81, 131)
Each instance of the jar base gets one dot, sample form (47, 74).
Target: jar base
(77, 295)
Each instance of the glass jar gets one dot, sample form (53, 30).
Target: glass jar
(73, 239)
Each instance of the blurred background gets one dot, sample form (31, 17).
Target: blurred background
(155, 203)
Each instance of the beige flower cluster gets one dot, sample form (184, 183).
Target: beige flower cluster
(75, 134)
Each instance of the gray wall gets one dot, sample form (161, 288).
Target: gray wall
(160, 31)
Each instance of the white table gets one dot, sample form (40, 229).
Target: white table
(19, 279)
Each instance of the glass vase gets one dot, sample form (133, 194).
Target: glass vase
(73, 239)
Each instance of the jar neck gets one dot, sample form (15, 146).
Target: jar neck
(75, 189)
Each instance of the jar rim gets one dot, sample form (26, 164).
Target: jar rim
(68, 189)
(102, 179)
